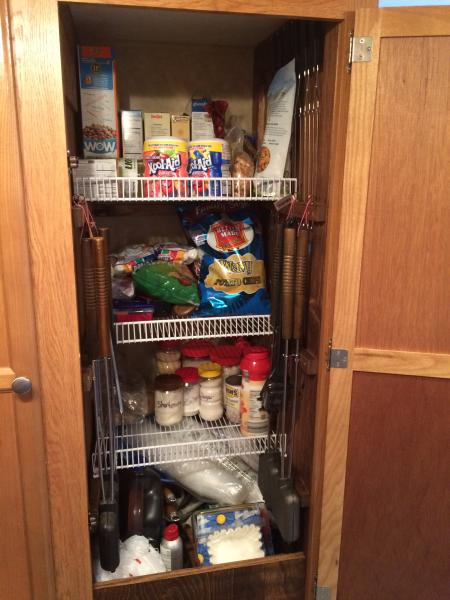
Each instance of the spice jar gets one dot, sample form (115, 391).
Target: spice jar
(167, 358)
(229, 358)
(256, 366)
(211, 391)
(196, 352)
(168, 399)
(232, 398)
(258, 354)
(191, 390)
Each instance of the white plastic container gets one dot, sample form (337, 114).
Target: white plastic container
(211, 391)
(171, 548)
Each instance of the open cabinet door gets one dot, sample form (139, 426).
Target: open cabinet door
(26, 567)
(386, 498)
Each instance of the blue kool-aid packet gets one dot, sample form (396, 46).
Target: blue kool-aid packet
(232, 273)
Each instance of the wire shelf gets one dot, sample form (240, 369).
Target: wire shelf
(196, 328)
(160, 189)
(146, 444)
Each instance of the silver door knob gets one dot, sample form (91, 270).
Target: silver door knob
(21, 386)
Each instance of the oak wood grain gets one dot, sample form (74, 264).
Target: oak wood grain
(324, 9)
(47, 217)
(26, 563)
(405, 280)
(335, 43)
(373, 360)
(351, 235)
(395, 541)
(415, 21)
(272, 578)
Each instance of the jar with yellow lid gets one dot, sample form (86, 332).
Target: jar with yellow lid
(211, 391)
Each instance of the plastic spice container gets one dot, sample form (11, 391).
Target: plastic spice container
(254, 420)
(169, 405)
(167, 358)
(233, 398)
(211, 391)
(171, 548)
(196, 352)
(191, 390)
(254, 355)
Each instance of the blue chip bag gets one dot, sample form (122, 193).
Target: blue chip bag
(232, 273)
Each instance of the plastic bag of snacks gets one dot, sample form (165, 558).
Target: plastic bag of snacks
(131, 258)
(170, 282)
(232, 273)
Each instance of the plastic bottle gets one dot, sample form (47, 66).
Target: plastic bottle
(255, 368)
(171, 548)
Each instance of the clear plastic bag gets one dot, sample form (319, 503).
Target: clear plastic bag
(137, 557)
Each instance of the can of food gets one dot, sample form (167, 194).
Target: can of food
(206, 160)
(233, 398)
(165, 158)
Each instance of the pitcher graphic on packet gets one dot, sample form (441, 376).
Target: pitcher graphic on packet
(165, 157)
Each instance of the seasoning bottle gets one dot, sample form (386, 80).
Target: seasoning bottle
(229, 358)
(211, 391)
(191, 390)
(196, 352)
(167, 357)
(255, 367)
(168, 399)
(233, 398)
(171, 548)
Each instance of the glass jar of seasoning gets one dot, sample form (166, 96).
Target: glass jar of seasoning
(196, 352)
(191, 390)
(167, 357)
(211, 391)
(229, 358)
(169, 405)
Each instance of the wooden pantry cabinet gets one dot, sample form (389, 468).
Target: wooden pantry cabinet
(371, 437)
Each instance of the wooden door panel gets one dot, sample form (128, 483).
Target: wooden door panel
(395, 541)
(404, 296)
(274, 578)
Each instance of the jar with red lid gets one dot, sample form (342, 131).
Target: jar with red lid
(196, 352)
(229, 358)
(191, 391)
(256, 357)
(256, 366)
(167, 357)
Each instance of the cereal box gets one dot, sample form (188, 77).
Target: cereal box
(156, 125)
(132, 133)
(98, 95)
(202, 125)
(180, 126)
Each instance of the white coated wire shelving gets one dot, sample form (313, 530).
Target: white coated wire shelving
(160, 189)
(145, 444)
(191, 329)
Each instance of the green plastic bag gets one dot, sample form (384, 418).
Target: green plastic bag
(171, 282)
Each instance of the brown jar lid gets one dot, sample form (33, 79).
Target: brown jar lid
(168, 382)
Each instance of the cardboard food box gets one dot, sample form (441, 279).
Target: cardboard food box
(202, 125)
(156, 125)
(101, 170)
(132, 133)
(98, 94)
(131, 168)
(180, 126)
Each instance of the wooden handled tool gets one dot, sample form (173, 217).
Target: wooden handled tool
(301, 282)
(287, 282)
(102, 290)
